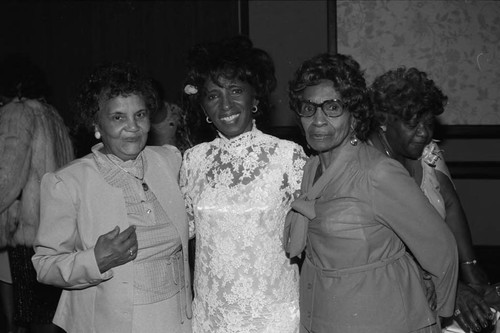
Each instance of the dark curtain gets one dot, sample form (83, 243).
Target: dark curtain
(67, 39)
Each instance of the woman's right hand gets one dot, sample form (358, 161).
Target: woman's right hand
(492, 296)
(430, 290)
(115, 248)
(471, 310)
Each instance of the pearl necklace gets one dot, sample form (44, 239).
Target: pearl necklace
(145, 186)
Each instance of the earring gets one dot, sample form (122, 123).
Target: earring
(383, 128)
(97, 135)
(208, 120)
(255, 109)
(354, 140)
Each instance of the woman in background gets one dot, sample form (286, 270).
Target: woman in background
(406, 103)
(238, 189)
(33, 140)
(113, 229)
(169, 126)
(358, 215)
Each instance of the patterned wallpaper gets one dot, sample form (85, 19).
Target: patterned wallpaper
(456, 42)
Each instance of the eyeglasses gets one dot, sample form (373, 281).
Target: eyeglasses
(331, 108)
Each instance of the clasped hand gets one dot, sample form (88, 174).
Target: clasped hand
(472, 312)
(115, 248)
(492, 296)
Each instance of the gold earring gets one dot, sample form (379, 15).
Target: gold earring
(354, 140)
(97, 135)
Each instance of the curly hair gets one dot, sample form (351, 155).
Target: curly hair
(406, 93)
(348, 80)
(109, 81)
(230, 59)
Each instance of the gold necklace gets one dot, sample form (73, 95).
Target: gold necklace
(145, 186)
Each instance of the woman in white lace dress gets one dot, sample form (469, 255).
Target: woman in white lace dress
(238, 189)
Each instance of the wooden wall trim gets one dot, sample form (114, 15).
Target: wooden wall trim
(468, 132)
(458, 169)
(474, 170)
(331, 17)
(471, 169)
(442, 131)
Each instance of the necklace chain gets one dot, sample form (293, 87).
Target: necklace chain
(145, 186)
(384, 143)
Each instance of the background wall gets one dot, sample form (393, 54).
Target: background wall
(479, 195)
(291, 31)
(457, 42)
(67, 39)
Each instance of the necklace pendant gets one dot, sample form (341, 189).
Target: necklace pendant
(145, 187)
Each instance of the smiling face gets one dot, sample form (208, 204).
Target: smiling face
(123, 122)
(324, 133)
(409, 138)
(229, 106)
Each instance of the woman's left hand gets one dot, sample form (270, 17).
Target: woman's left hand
(471, 311)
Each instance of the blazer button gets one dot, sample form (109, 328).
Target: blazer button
(309, 286)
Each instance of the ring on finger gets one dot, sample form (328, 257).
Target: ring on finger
(457, 312)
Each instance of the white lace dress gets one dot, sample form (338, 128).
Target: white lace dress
(237, 193)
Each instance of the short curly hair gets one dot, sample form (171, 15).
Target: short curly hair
(406, 92)
(109, 81)
(348, 80)
(233, 58)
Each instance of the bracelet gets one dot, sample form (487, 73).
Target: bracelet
(472, 262)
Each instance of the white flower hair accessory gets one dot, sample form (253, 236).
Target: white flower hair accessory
(189, 89)
(431, 154)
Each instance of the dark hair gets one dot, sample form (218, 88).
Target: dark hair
(109, 81)
(406, 93)
(348, 80)
(233, 58)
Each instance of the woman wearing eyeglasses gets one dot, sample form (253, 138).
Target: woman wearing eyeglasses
(359, 216)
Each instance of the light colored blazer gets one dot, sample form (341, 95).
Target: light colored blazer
(77, 206)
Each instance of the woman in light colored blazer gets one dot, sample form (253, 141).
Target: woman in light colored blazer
(113, 229)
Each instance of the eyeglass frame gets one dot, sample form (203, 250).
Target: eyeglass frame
(321, 106)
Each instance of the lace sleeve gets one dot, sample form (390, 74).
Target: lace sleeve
(299, 159)
(441, 165)
(185, 183)
(294, 171)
